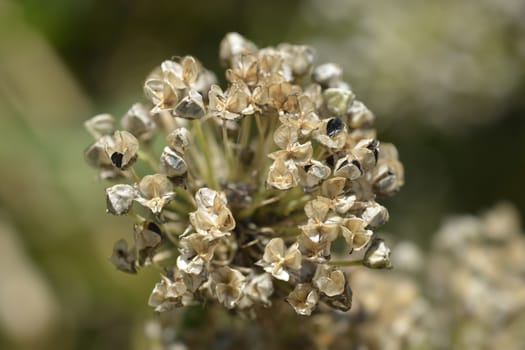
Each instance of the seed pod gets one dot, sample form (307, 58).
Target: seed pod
(348, 168)
(233, 45)
(100, 125)
(377, 256)
(179, 140)
(327, 74)
(375, 214)
(303, 299)
(359, 116)
(172, 164)
(119, 199)
(123, 150)
(138, 122)
(338, 100)
(123, 258)
(191, 106)
(329, 280)
(155, 191)
(148, 237)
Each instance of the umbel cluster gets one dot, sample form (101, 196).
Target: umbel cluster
(246, 194)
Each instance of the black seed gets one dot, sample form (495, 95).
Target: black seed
(358, 165)
(116, 158)
(153, 227)
(345, 162)
(373, 144)
(334, 126)
(373, 147)
(307, 167)
(330, 161)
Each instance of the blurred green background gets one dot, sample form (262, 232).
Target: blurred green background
(445, 78)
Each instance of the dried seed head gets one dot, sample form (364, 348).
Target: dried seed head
(279, 261)
(122, 150)
(375, 214)
(327, 74)
(155, 191)
(359, 116)
(96, 155)
(338, 100)
(172, 164)
(179, 140)
(122, 257)
(163, 96)
(119, 199)
(138, 122)
(329, 280)
(348, 167)
(299, 58)
(100, 125)
(233, 45)
(259, 289)
(282, 175)
(148, 237)
(227, 284)
(303, 299)
(377, 256)
(195, 253)
(355, 233)
(191, 106)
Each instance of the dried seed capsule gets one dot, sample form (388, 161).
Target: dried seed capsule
(303, 299)
(227, 285)
(343, 301)
(179, 140)
(233, 45)
(375, 214)
(138, 122)
(122, 258)
(172, 164)
(338, 100)
(123, 150)
(191, 106)
(329, 280)
(148, 237)
(359, 116)
(155, 191)
(348, 168)
(119, 199)
(327, 74)
(377, 256)
(100, 125)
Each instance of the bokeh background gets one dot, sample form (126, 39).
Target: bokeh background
(446, 79)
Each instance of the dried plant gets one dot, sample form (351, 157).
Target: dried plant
(256, 184)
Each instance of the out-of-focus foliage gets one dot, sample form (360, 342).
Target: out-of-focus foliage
(457, 65)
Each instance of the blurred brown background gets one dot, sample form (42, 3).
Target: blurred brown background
(445, 78)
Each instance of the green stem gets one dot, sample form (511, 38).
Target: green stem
(345, 263)
(204, 147)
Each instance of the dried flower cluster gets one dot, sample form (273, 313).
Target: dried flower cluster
(256, 182)
(466, 292)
